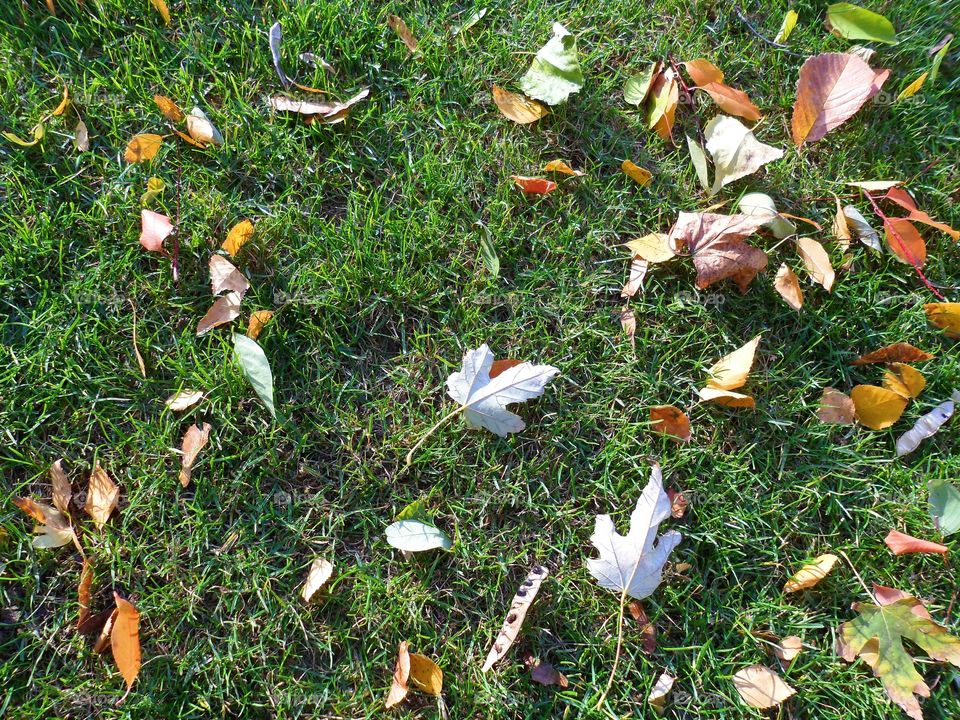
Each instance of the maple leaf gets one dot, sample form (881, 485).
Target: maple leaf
(631, 563)
(877, 637)
(716, 243)
(485, 399)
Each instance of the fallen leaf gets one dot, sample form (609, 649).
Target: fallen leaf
(877, 407)
(201, 129)
(83, 592)
(735, 150)
(831, 89)
(666, 95)
(699, 161)
(546, 674)
(863, 230)
(840, 227)
(237, 237)
(788, 648)
(487, 250)
(654, 248)
(817, 261)
(716, 243)
(398, 689)
(225, 276)
(856, 23)
(555, 71)
(54, 529)
(926, 426)
(125, 640)
(417, 536)
(786, 27)
(324, 113)
(902, 198)
(637, 87)
(657, 699)
(485, 399)
(631, 563)
(945, 316)
(648, 631)
(225, 309)
(898, 352)
(154, 227)
(142, 148)
(39, 132)
(939, 52)
(515, 615)
(731, 371)
(171, 111)
(709, 78)
(904, 380)
(944, 506)
(256, 368)
(628, 323)
(472, 20)
(905, 241)
(105, 622)
(501, 365)
(275, 39)
(561, 167)
(678, 503)
(760, 205)
(194, 441)
(161, 7)
(321, 571)
(64, 103)
(102, 496)
(638, 271)
(788, 285)
(703, 72)
(811, 573)
(184, 399)
(836, 408)
(875, 185)
(155, 188)
(636, 173)
(534, 185)
(81, 136)
(62, 492)
(761, 688)
(518, 108)
(403, 32)
(670, 420)
(425, 674)
(913, 88)
(258, 321)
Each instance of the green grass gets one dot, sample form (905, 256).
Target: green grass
(367, 248)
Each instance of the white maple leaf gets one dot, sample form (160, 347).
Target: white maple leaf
(632, 562)
(485, 399)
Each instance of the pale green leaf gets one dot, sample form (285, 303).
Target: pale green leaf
(256, 368)
(472, 20)
(937, 59)
(699, 160)
(416, 536)
(555, 72)
(856, 23)
(945, 506)
(637, 87)
(488, 252)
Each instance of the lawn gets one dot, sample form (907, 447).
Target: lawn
(367, 247)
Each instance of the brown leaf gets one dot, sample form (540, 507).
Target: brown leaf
(719, 252)
(678, 503)
(515, 615)
(831, 89)
(102, 622)
(403, 32)
(81, 136)
(760, 687)
(841, 229)
(898, 352)
(225, 276)
(547, 674)
(648, 631)
(193, 442)
(534, 185)
(788, 285)
(398, 690)
(258, 321)
(225, 309)
(670, 420)
(499, 366)
(325, 113)
(83, 592)
(638, 271)
(142, 148)
(62, 491)
(125, 640)
(237, 237)
(102, 496)
(836, 408)
(628, 323)
(902, 544)
(154, 228)
(519, 108)
(817, 261)
(169, 108)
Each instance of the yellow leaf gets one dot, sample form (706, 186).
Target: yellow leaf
(64, 104)
(654, 248)
(171, 111)
(904, 380)
(518, 108)
(237, 237)
(636, 173)
(913, 88)
(125, 640)
(161, 7)
(102, 496)
(945, 316)
(731, 372)
(561, 167)
(143, 147)
(257, 321)
(811, 573)
(786, 27)
(877, 407)
(155, 187)
(38, 132)
(425, 674)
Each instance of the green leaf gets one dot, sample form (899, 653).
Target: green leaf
(155, 188)
(256, 368)
(699, 160)
(416, 536)
(856, 23)
(470, 21)
(38, 132)
(944, 506)
(555, 71)
(937, 59)
(414, 511)
(660, 103)
(637, 87)
(487, 251)
(786, 27)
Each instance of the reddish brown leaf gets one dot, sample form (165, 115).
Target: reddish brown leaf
(83, 592)
(898, 352)
(547, 674)
(902, 544)
(716, 243)
(670, 420)
(648, 631)
(534, 185)
(678, 503)
(500, 365)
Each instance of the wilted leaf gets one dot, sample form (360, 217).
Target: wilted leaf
(161, 7)
(401, 673)
(944, 506)
(125, 640)
(628, 323)
(226, 309)
(320, 572)
(632, 563)
(155, 188)
(485, 399)
(636, 173)
(856, 23)
(256, 368)
(898, 352)
(811, 573)
(83, 592)
(716, 243)
(761, 688)
(760, 205)
(836, 408)
(555, 71)
(237, 237)
(142, 147)
(648, 631)
(225, 276)
(877, 636)
(735, 151)
(926, 426)
(425, 674)
(903, 544)
(831, 89)
(322, 112)
(877, 407)
(81, 136)
(817, 261)
(709, 78)
(660, 693)
(786, 27)
(546, 674)
(904, 380)
(416, 536)
(670, 420)
(38, 134)
(699, 160)
(62, 492)
(183, 399)
(154, 227)
(945, 316)
(788, 285)
(515, 615)
(194, 441)
(54, 529)
(561, 167)
(518, 108)
(637, 87)
(274, 39)
(171, 111)
(102, 496)
(403, 32)
(534, 185)
(257, 322)
(201, 129)
(666, 94)
(637, 273)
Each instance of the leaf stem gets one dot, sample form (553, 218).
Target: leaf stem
(616, 658)
(431, 431)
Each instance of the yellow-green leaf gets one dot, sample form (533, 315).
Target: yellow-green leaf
(38, 133)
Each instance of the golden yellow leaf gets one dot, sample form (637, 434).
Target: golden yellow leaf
(142, 147)
(171, 111)
(102, 496)
(731, 372)
(904, 380)
(64, 104)
(761, 687)
(196, 143)
(38, 134)
(877, 407)
(425, 674)
(518, 108)
(654, 248)
(125, 640)
(945, 316)
(636, 173)
(913, 88)
(257, 322)
(811, 573)
(238, 236)
(787, 284)
(561, 167)
(161, 7)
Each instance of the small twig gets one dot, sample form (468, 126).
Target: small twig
(756, 33)
(690, 98)
(175, 256)
(616, 658)
(430, 432)
(862, 583)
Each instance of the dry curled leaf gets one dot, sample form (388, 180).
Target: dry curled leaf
(516, 107)
(83, 592)
(258, 321)
(321, 571)
(811, 573)
(635, 277)
(194, 441)
(761, 687)
(546, 674)
(718, 249)
(201, 129)
(534, 185)
(561, 167)
(788, 648)
(171, 111)
(640, 175)
(225, 276)
(225, 309)
(670, 420)
(325, 113)
(817, 261)
(900, 352)
(54, 529)
(628, 323)
(927, 425)
(62, 491)
(836, 408)
(515, 615)
(403, 32)
(788, 285)
(660, 693)
(184, 399)
(730, 373)
(401, 674)
(102, 496)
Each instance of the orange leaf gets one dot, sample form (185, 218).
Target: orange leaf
(238, 236)
(257, 322)
(945, 316)
(499, 366)
(787, 284)
(703, 72)
(898, 352)
(534, 185)
(901, 544)
(732, 101)
(561, 167)
(670, 420)
(636, 173)
(905, 241)
(142, 147)
(671, 92)
(125, 640)
(171, 111)
(83, 592)
(102, 496)
(877, 407)
(902, 198)
(398, 690)
(516, 107)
